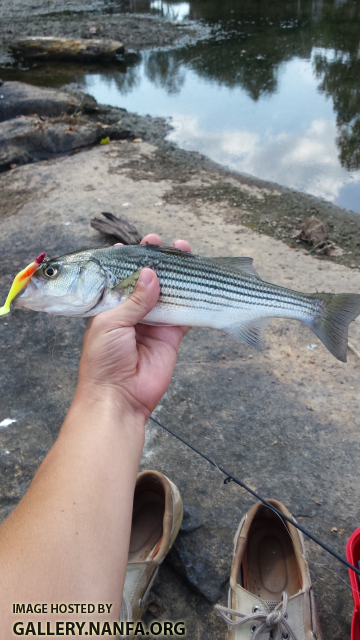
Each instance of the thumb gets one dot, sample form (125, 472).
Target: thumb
(141, 301)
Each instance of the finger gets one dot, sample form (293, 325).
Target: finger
(167, 336)
(182, 244)
(140, 303)
(152, 238)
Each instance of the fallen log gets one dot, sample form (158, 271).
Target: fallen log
(119, 227)
(65, 48)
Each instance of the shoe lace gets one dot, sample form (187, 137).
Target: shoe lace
(276, 621)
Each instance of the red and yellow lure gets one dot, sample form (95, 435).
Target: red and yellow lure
(20, 281)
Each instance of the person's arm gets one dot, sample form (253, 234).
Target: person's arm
(67, 540)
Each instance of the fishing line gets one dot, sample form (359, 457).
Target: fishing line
(230, 477)
(325, 566)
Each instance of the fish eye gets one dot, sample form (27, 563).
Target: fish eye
(50, 272)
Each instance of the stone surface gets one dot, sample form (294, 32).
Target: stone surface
(52, 122)
(287, 423)
(71, 19)
(19, 98)
(50, 48)
(27, 138)
(211, 548)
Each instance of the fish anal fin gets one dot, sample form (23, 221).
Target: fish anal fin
(244, 265)
(250, 332)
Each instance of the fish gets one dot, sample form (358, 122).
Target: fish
(218, 293)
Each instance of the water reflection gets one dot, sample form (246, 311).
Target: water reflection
(175, 11)
(165, 71)
(340, 80)
(274, 92)
(253, 47)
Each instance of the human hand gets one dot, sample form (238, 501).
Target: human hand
(133, 361)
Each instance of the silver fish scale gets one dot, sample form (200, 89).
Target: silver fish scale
(219, 293)
(192, 281)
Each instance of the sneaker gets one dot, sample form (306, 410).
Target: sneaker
(270, 595)
(156, 521)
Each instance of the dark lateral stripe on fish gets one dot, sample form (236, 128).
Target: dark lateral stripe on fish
(262, 295)
(266, 300)
(221, 302)
(224, 283)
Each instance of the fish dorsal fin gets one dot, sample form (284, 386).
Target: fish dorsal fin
(245, 265)
(250, 332)
(168, 250)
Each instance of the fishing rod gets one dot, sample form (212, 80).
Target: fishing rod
(230, 477)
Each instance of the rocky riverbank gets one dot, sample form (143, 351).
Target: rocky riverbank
(285, 420)
(65, 18)
(37, 123)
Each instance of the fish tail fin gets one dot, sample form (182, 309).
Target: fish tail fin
(332, 322)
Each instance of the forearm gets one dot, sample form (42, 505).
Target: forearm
(77, 511)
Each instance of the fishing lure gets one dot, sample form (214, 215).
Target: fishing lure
(20, 281)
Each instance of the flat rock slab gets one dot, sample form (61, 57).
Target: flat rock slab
(284, 420)
(19, 98)
(31, 127)
(24, 139)
(66, 48)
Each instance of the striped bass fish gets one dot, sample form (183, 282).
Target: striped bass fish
(219, 293)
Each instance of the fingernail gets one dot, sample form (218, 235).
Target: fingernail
(146, 277)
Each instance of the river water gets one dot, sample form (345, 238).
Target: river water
(273, 90)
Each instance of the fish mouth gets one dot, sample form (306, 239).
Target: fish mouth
(26, 294)
(34, 297)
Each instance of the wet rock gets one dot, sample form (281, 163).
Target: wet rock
(66, 48)
(24, 99)
(25, 138)
(203, 558)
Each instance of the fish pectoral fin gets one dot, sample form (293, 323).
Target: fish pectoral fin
(128, 285)
(250, 332)
(245, 265)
